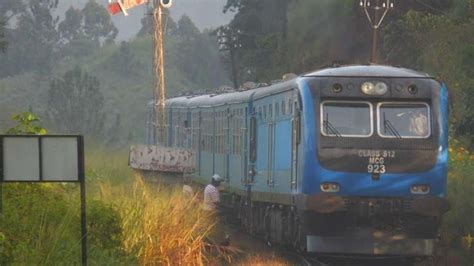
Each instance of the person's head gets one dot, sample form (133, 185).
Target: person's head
(216, 180)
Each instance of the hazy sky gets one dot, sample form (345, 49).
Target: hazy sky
(204, 13)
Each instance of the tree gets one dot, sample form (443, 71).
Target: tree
(148, 25)
(263, 35)
(71, 27)
(124, 61)
(35, 40)
(201, 68)
(97, 23)
(76, 104)
(186, 28)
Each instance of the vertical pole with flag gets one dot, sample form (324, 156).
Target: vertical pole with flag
(121, 6)
(159, 89)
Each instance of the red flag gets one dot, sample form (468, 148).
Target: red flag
(124, 5)
(114, 8)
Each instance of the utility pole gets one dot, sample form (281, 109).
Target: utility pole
(159, 96)
(159, 66)
(228, 40)
(375, 10)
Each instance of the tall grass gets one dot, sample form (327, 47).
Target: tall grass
(39, 225)
(160, 224)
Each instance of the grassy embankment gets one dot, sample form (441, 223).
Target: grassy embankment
(129, 222)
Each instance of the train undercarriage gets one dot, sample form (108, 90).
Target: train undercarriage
(360, 226)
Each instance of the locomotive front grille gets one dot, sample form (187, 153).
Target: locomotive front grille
(374, 206)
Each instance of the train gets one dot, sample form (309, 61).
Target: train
(343, 160)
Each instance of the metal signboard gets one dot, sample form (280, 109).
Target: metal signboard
(45, 158)
(35, 158)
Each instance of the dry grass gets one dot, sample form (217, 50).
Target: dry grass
(160, 224)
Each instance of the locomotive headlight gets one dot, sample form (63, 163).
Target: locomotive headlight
(330, 187)
(368, 88)
(381, 88)
(420, 189)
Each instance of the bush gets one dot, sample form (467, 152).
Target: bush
(459, 221)
(41, 226)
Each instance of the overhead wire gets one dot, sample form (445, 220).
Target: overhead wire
(430, 7)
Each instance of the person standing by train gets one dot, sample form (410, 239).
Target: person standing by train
(211, 194)
(211, 205)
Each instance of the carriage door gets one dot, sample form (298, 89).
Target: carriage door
(226, 140)
(271, 146)
(241, 125)
(295, 140)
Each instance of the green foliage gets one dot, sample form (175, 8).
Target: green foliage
(105, 234)
(459, 221)
(433, 36)
(263, 36)
(32, 42)
(6, 250)
(97, 23)
(27, 124)
(41, 226)
(186, 28)
(125, 70)
(441, 44)
(70, 27)
(76, 103)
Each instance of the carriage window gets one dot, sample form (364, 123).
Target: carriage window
(404, 120)
(277, 109)
(346, 119)
(283, 107)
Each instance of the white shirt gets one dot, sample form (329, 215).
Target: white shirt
(211, 198)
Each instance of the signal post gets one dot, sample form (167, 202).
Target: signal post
(145, 157)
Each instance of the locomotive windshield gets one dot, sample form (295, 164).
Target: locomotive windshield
(404, 120)
(346, 119)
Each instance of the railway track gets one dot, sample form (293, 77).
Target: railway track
(301, 259)
(304, 259)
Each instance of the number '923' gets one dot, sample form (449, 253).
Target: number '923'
(376, 168)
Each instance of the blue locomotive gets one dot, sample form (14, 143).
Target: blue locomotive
(344, 160)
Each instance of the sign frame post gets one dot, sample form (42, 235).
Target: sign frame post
(80, 176)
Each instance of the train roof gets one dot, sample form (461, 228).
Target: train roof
(209, 100)
(368, 71)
